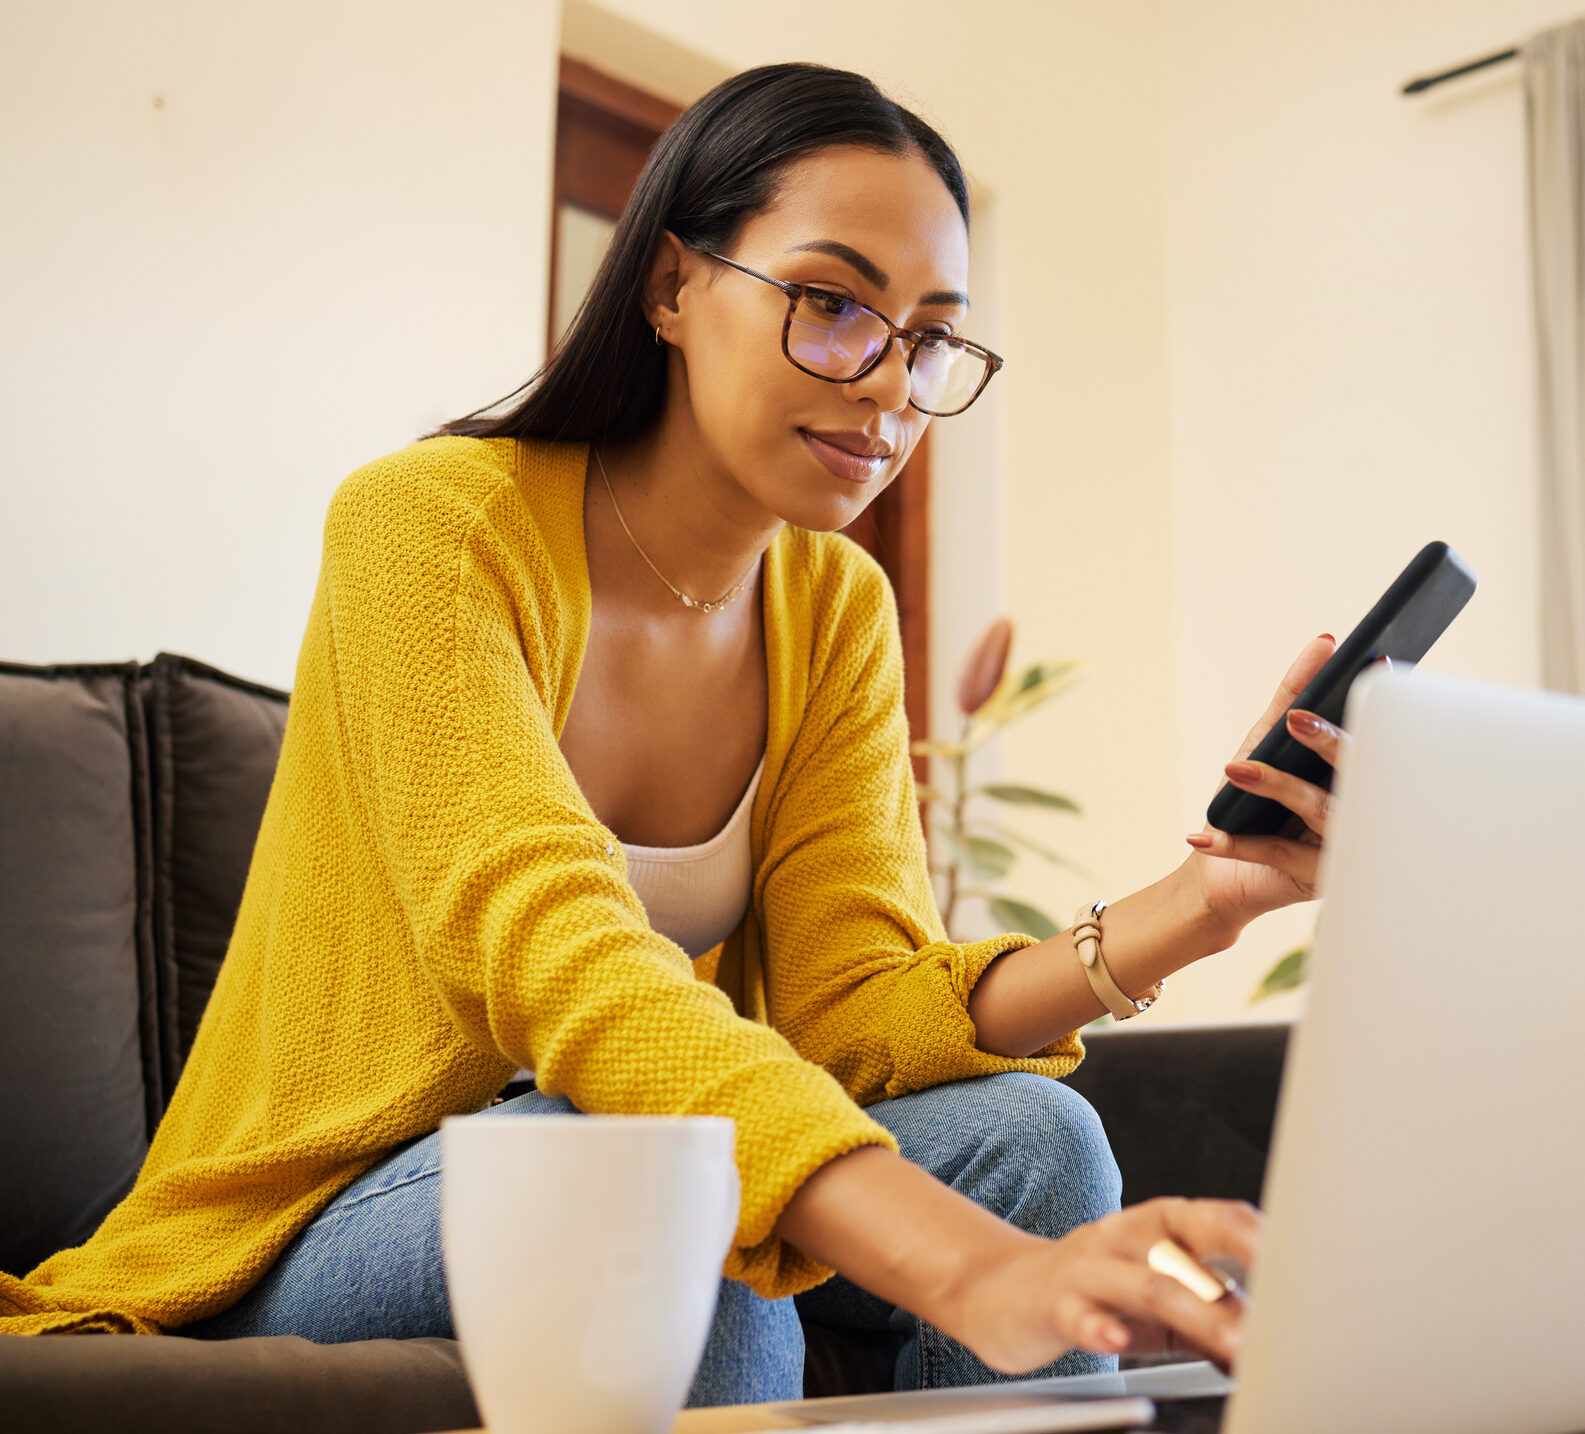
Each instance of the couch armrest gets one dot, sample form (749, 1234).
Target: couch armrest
(1188, 1109)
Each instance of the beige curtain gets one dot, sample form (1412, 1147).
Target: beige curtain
(1554, 71)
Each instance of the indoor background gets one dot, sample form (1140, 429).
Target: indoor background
(1267, 328)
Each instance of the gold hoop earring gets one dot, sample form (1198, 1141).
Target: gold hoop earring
(657, 335)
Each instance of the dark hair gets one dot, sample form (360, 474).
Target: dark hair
(717, 165)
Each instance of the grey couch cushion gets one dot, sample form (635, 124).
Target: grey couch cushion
(79, 1066)
(137, 1384)
(214, 743)
(1189, 1110)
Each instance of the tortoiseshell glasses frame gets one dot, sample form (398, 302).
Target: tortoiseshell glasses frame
(836, 315)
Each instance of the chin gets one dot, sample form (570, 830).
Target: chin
(826, 513)
(808, 496)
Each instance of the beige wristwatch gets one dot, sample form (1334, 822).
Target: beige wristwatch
(1087, 942)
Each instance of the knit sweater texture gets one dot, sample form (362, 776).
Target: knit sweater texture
(432, 903)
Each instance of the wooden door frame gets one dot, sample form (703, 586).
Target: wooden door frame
(604, 127)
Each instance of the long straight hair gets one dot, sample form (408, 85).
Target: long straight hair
(715, 167)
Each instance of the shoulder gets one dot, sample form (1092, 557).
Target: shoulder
(478, 532)
(436, 483)
(432, 496)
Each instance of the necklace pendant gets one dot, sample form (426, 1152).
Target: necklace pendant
(682, 597)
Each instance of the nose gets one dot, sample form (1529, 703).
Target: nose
(889, 383)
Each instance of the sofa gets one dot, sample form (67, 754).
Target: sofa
(130, 797)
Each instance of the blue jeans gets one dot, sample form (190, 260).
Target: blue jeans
(1025, 1147)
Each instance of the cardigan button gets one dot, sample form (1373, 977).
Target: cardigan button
(609, 849)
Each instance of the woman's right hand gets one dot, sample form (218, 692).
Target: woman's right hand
(1094, 1290)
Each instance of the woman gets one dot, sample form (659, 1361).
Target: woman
(605, 648)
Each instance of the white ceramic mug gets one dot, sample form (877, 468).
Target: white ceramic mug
(583, 1257)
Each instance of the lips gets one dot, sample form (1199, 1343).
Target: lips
(861, 445)
(851, 455)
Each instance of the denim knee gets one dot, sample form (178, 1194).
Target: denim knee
(1028, 1148)
(1056, 1167)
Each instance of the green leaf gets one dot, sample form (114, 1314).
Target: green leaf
(938, 749)
(1032, 676)
(983, 856)
(1036, 685)
(1020, 796)
(1020, 916)
(986, 857)
(1287, 975)
(1034, 848)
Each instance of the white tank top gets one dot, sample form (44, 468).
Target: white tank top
(696, 895)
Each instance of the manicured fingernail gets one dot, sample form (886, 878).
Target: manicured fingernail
(1327, 637)
(1199, 841)
(1306, 722)
(1246, 772)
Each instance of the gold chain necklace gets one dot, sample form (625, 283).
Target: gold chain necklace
(682, 597)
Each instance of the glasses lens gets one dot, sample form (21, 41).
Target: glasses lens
(946, 376)
(832, 335)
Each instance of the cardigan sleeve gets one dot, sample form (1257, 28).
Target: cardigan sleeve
(515, 894)
(860, 974)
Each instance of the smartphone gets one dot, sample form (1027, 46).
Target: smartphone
(1410, 616)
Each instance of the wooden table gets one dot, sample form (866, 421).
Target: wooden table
(724, 1419)
(737, 1419)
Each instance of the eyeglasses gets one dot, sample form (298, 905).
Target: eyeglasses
(832, 336)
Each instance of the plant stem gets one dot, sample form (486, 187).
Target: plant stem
(960, 787)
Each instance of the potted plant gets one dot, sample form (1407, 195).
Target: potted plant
(977, 846)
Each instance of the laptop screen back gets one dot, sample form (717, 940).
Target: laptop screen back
(1424, 1265)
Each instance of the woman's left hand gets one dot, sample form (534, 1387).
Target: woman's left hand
(1242, 877)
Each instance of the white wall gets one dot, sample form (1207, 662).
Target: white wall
(1351, 371)
(246, 249)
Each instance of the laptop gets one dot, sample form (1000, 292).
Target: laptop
(1423, 1267)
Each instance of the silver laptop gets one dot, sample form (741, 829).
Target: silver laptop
(1424, 1262)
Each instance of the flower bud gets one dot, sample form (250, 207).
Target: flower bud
(982, 673)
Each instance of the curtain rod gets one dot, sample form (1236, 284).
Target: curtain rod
(1425, 82)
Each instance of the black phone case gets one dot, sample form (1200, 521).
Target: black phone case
(1410, 616)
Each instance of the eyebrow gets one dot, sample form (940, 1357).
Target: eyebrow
(871, 270)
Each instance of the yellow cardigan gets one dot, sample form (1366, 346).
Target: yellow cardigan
(432, 903)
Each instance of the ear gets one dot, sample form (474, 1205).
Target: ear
(668, 272)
